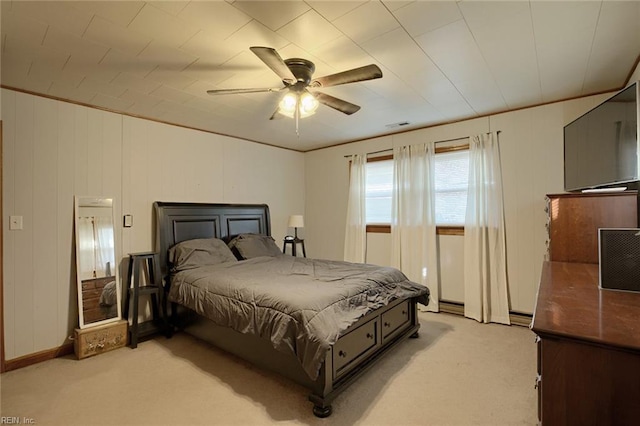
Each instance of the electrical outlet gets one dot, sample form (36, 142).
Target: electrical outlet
(15, 223)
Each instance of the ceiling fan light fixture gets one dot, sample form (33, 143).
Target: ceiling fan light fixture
(306, 103)
(288, 104)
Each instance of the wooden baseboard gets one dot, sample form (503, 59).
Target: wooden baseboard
(67, 349)
(516, 318)
(26, 360)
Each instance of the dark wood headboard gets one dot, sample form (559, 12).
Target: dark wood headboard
(176, 222)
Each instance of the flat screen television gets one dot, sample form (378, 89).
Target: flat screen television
(601, 148)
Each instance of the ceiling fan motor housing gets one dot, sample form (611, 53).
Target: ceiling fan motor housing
(302, 70)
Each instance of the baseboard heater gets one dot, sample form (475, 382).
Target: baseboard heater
(457, 308)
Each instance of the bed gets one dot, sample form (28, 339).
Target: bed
(320, 323)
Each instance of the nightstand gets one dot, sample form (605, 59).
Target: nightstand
(143, 265)
(293, 242)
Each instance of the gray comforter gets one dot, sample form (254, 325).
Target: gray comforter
(301, 305)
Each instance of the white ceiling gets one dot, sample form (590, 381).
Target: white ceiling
(442, 61)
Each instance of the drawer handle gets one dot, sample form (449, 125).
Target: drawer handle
(386, 324)
(404, 312)
(369, 336)
(343, 354)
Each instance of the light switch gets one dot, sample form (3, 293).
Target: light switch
(15, 223)
(128, 221)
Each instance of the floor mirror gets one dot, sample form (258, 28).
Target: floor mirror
(97, 271)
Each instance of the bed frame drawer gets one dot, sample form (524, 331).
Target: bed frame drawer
(354, 345)
(394, 319)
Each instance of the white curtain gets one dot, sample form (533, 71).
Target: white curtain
(96, 247)
(413, 227)
(104, 246)
(86, 257)
(355, 241)
(485, 270)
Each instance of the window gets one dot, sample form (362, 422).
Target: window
(451, 181)
(379, 191)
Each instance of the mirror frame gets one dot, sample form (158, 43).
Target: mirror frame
(99, 202)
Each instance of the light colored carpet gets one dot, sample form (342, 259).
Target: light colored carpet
(458, 372)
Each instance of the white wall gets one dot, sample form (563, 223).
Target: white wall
(55, 150)
(636, 74)
(532, 166)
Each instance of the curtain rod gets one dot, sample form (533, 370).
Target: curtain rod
(391, 149)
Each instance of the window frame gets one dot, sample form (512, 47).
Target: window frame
(381, 228)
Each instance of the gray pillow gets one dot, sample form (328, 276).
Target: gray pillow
(248, 246)
(200, 252)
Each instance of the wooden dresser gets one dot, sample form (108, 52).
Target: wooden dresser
(588, 339)
(574, 220)
(588, 349)
(91, 291)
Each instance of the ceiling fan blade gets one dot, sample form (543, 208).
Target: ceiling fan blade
(335, 103)
(271, 58)
(237, 91)
(368, 72)
(276, 115)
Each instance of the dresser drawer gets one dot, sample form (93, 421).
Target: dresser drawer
(352, 346)
(394, 319)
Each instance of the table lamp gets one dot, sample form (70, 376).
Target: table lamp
(296, 221)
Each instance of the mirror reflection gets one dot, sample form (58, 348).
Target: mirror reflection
(98, 289)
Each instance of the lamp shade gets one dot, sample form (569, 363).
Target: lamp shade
(304, 102)
(296, 221)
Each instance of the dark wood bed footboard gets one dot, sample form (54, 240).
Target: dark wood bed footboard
(361, 346)
(364, 343)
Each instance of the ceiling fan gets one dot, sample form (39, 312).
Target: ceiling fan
(297, 77)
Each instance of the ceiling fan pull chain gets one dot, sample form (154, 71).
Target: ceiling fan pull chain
(297, 115)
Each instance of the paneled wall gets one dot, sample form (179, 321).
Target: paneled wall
(532, 166)
(54, 150)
